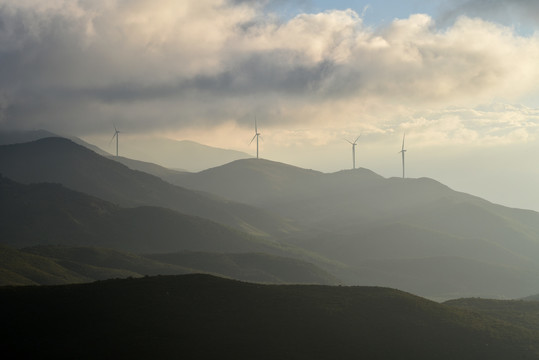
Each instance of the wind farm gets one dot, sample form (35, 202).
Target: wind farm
(141, 148)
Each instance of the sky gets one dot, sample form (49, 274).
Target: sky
(460, 78)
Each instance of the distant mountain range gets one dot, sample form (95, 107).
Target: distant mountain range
(179, 154)
(49, 214)
(59, 160)
(183, 155)
(378, 225)
(17, 137)
(204, 317)
(414, 234)
(40, 217)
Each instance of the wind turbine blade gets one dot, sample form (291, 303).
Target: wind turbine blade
(403, 136)
(351, 143)
(115, 134)
(355, 141)
(253, 139)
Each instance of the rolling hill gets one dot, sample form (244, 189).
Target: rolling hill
(17, 137)
(59, 264)
(20, 268)
(253, 267)
(362, 227)
(360, 218)
(203, 317)
(522, 313)
(96, 235)
(147, 167)
(50, 214)
(359, 205)
(59, 160)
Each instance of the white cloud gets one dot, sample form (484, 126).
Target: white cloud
(172, 65)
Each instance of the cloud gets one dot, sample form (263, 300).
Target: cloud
(509, 12)
(76, 65)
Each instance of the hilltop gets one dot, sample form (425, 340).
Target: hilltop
(203, 317)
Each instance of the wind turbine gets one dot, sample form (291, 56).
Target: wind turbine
(116, 134)
(402, 152)
(353, 150)
(257, 134)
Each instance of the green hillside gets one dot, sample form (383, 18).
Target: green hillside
(52, 265)
(257, 267)
(26, 268)
(89, 229)
(203, 317)
(522, 313)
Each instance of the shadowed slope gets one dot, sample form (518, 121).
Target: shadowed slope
(51, 214)
(197, 316)
(61, 161)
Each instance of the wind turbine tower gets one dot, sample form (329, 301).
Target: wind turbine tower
(257, 135)
(116, 134)
(402, 152)
(353, 151)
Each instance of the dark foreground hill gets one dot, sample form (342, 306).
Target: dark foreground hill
(203, 317)
(59, 160)
(520, 312)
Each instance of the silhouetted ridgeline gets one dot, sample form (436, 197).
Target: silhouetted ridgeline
(203, 317)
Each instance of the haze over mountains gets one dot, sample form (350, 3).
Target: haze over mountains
(413, 234)
(59, 160)
(389, 227)
(182, 155)
(38, 217)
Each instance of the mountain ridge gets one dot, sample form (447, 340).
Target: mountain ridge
(62, 161)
